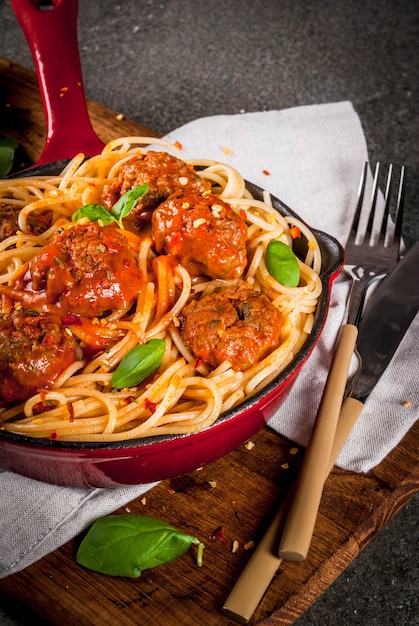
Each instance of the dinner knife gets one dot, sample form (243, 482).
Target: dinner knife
(386, 318)
(397, 298)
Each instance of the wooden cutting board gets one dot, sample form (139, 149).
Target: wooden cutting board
(239, 493)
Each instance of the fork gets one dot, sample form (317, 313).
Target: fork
(368, 259)
(370, 254)
(363, 266)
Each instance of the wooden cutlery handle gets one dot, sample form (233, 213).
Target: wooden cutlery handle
(261, 568)
(302, 514)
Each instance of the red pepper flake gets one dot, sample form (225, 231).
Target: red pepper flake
(169, 490)
(114, 247)
(53, 436)
(295, 232)
(198, 363)
(71, 320)
(151, 406)
(178, 145)
(219, 534)
(42, 407)
(266, 172)
(71, 411)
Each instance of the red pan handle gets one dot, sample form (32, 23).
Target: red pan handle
(51, 34)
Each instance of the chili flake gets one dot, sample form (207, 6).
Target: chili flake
(151, 406)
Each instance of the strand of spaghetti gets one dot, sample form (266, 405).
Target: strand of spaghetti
(144, 254)
(153, 393)
(66, 397)
(60, 429)
(161, 326)
(20, 240)
(264, 238)
(47, 203)
(12, 264)
(88, 379)
(113, 355)
(187, 354)
(163, 269)
(233, 182)
(53, 396)
(116, 144)
(70, 169)
(204, 418)
(9, 414)
(258, 213)
(170, 396)
(145, 306)
(207, 419)
(97, 395)
(68, 373)
(273, 363)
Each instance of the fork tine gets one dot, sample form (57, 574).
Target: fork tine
(400, 204)
(387, 198)
(374, 193)
(360, 200)
(391, 233)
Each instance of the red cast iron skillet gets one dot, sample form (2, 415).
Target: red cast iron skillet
(52, 36)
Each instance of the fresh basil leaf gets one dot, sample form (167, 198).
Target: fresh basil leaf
(8, 146)
(282, 263)
(125, 545)
(94, 212)
(139, 364)
(120, 209)
(127, 201)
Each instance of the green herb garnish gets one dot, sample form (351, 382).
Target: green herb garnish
(8, 146)
(282, 263)
(125, 545)
(122, 208)
(139, 364)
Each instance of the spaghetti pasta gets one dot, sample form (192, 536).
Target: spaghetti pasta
(187, 393)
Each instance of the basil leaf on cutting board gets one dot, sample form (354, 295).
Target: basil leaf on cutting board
(282, 263)
(125, 545)
(139, 364)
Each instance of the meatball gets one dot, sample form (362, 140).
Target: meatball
(34, 350)
(203, 233)
(237, 324)
(163, 173)
(9, 225)
(86, 270)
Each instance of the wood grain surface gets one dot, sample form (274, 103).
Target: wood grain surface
(239, 493)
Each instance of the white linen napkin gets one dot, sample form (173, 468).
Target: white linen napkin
(311, 158)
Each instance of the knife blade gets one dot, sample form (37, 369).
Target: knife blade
(400, 295)
(388, 314)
